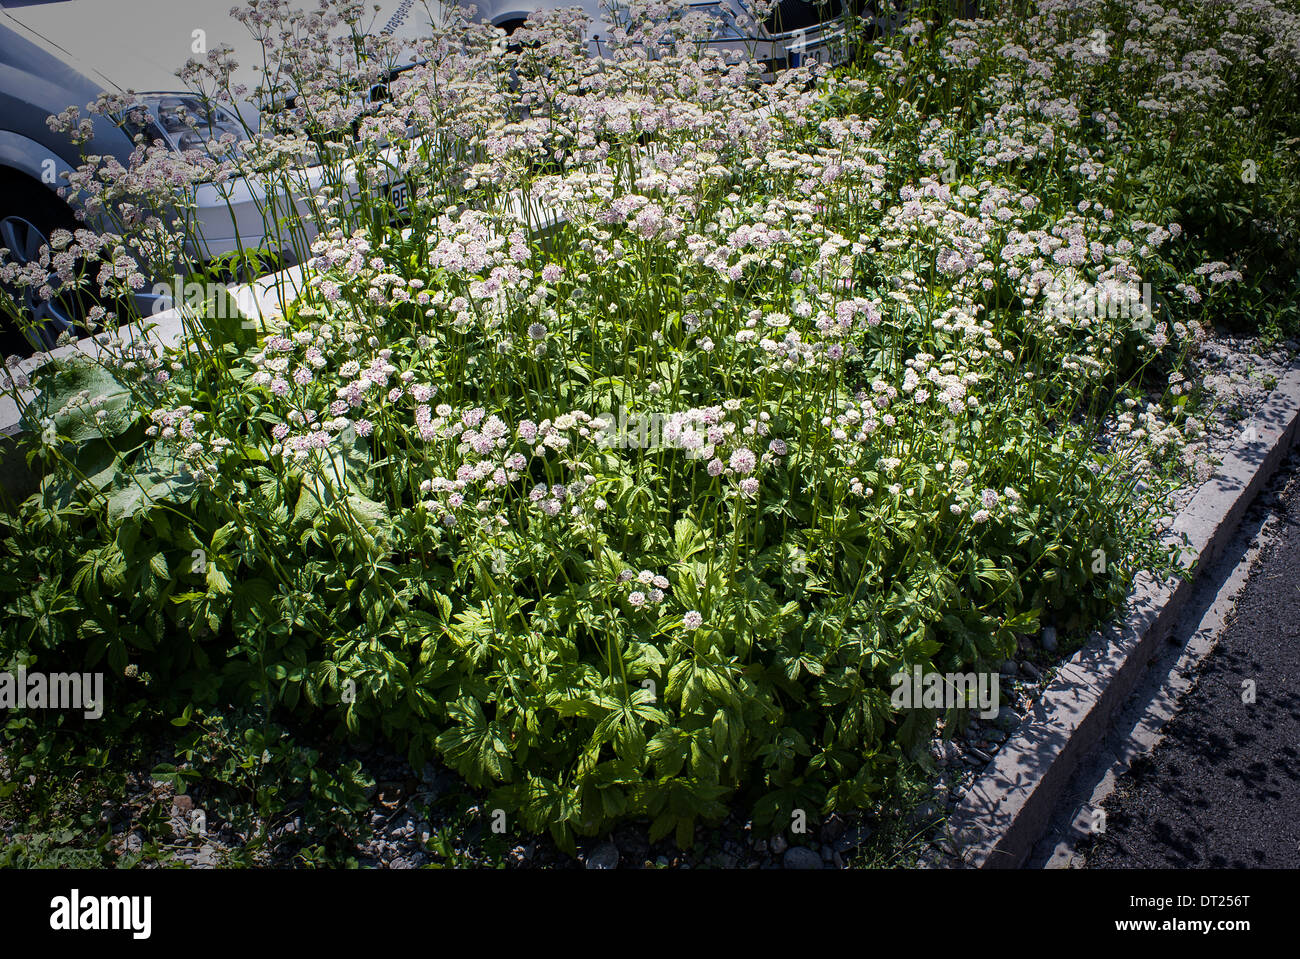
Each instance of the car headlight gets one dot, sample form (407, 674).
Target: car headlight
(183, 120)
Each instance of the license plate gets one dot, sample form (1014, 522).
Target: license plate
(398, 193)
(832, 52)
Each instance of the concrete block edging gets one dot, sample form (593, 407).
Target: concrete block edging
(1010, 805)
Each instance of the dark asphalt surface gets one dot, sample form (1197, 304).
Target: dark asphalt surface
(1222, 790)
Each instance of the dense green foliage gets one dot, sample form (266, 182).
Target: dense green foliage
(636, 517)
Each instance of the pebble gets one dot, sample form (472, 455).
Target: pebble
(852, 838)
(604, 856)
(945, 751)
(1049, 638)
(832, 829)
(801, 857)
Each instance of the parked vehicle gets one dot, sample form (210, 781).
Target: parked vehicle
(60, 53)
(795, 30)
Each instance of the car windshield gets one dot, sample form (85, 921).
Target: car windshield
(801, 14)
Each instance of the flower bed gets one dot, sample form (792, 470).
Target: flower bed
(638, 517)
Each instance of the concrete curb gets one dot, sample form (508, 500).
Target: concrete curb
(260, 300)
(1010, 806)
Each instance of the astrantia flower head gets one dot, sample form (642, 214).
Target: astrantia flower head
(743, 461)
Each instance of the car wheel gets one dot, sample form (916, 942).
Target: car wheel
(29, 215)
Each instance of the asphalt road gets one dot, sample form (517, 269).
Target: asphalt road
(1222, 789)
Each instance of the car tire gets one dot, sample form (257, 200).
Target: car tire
(29, 215)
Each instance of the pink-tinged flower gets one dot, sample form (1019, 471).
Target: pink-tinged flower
(636, 598)
(980, 516)
(989, 498)
(552, 272)
(693, 619)
(749, 486)
(364, 427)
(716, 467)
(743, 461)
(537, 331)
